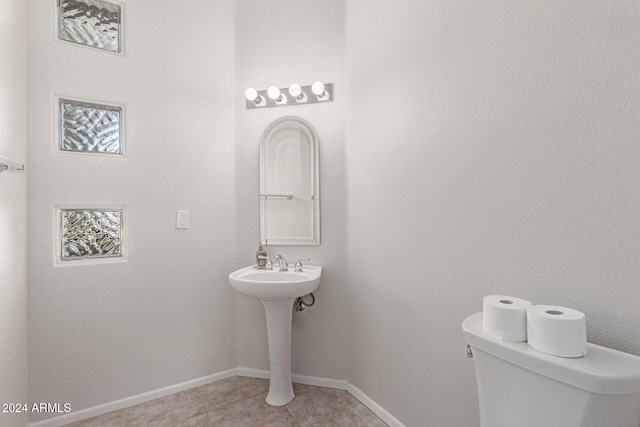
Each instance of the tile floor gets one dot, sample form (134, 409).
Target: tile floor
(239, 401)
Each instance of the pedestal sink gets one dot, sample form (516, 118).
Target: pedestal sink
(277, 290)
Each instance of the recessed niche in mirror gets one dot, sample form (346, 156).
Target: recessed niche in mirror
(289, 183)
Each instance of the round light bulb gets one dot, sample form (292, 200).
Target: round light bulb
(273, 92)
(251, 94)
(295, 90)
(317, 88)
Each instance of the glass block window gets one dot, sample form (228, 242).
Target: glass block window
(90, 233)
(93, 23)
(90, 127)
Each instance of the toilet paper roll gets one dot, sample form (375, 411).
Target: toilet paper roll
(559, 331)
(505, 317)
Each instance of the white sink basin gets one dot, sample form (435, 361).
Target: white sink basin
(275, 285)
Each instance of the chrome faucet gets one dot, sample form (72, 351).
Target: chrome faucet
(283, 263)
(298, 266)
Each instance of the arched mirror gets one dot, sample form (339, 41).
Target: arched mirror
(289, 183)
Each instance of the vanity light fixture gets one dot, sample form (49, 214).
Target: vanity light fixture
(252, 96)
(275, 96)
(318, 89)
(296, 91)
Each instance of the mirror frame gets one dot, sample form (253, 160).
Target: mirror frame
(314, 238)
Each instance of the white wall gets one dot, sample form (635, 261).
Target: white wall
(477, 149)
(492, 147)
(278, 43)
(13, 209)
(104, 332)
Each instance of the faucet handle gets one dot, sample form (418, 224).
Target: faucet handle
(298, 266)
(269, 264)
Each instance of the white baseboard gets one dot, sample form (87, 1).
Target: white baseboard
(253, 373)
(297, 378)
(320, 382)
(85, 414)
(243, 372)
(374, 407)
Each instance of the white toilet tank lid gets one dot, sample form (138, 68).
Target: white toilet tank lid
(602, 370)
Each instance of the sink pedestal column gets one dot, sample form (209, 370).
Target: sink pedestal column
(279, 332)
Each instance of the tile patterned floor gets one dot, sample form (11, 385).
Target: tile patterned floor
(238, 402)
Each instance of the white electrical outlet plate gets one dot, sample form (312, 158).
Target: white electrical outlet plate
(182, 219)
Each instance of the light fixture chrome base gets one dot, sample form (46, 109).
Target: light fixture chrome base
(308, 98)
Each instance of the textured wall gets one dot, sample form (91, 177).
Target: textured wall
(278, 43)
(13, 209)
(104, 332)
(492, 147)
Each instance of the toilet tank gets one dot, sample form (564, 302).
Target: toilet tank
(519, 386)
